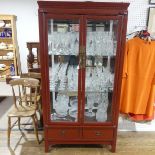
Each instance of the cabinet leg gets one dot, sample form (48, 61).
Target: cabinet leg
(113, 147)
(46, 146)
(46, 149)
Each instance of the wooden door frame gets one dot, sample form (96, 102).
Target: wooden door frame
(45, 67)
(117, 72)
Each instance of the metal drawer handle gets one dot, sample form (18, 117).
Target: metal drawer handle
(98, 133)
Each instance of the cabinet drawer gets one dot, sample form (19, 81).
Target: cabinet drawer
(97, 133)
(58, 133)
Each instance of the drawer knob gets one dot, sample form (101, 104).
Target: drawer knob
(98, 133)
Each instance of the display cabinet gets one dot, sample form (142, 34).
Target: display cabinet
(8, 45)
(81, 51)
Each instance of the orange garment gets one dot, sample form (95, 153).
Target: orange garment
(138, 86)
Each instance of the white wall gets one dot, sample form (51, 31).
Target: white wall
(27, 30)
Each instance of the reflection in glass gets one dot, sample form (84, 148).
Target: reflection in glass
(63, 47)
(100, 65)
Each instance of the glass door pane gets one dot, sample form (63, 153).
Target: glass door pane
(63, 49)
(101, 42)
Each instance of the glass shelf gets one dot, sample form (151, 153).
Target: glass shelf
(67, 93)
(59, 118)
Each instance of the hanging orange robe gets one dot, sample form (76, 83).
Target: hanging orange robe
(138, 81)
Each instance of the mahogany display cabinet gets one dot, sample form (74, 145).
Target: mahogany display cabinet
(81, 52)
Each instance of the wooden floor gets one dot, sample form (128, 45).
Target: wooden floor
(128, 143)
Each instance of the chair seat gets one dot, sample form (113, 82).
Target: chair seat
(23, 111)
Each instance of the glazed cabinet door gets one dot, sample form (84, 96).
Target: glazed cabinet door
(101, 49)
(64, 39)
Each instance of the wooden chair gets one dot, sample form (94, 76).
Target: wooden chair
(25, 102)
(31, 75)
(36, 76)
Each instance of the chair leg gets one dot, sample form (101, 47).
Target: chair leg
(35, 123)
(35, 116)
(19, 123)
(41, 115)
(9, 130)
(37, 120)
